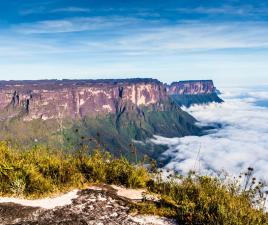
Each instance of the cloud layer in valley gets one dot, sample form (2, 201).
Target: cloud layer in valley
(240, 143)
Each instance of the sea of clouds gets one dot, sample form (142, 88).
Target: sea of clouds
(241, 140)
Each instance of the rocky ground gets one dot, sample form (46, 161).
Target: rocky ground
(94, 206)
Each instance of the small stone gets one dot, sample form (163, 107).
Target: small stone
(114, 214)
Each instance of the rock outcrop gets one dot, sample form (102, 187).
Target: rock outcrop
(187, 93)
(90, 207)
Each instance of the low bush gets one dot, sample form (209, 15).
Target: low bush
(196, 199)
(41, 171)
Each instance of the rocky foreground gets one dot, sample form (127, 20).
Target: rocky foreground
(89, 207)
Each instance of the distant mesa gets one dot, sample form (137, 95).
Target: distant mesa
(190, 92)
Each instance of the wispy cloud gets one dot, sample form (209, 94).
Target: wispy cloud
(41, 10)
(74, 25)
(133, 36)
(174, 48)
(70, 9)
(198, 37)
(241, 10)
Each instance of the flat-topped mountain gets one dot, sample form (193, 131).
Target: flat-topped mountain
(190, 92)
(192, 87)
(115, 112)
(50, 99)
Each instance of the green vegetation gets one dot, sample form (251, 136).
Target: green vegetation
(117, 139)
(29, 133)
(41, 171)
(191, 199)
(188, 100)
(114, 132)
(196, 199)
(117, 134)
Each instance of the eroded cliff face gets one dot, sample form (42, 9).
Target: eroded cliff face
(187, 93)
(112, 113)
(192, 87)
(76, 99)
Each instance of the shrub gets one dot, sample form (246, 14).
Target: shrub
(206, 200)
(40, 171)
(122, 172)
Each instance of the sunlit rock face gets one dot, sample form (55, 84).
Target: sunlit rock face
(48, 99)
(192, 87)
(187, 93)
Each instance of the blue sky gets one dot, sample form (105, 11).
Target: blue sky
(169, 40)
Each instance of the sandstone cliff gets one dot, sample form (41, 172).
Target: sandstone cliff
(116, 112)
(76, 99)
(187, 93)
(192, 87)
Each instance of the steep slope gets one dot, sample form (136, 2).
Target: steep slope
(127, 132)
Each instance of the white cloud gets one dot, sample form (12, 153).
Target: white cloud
(227, 52)
(71, 9)
(196, 37)
(73, 25)
(241, 10)
(242, 142)
(136, 37)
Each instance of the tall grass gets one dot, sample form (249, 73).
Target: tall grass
(191, 199)
(41, 171)
(196, 199)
